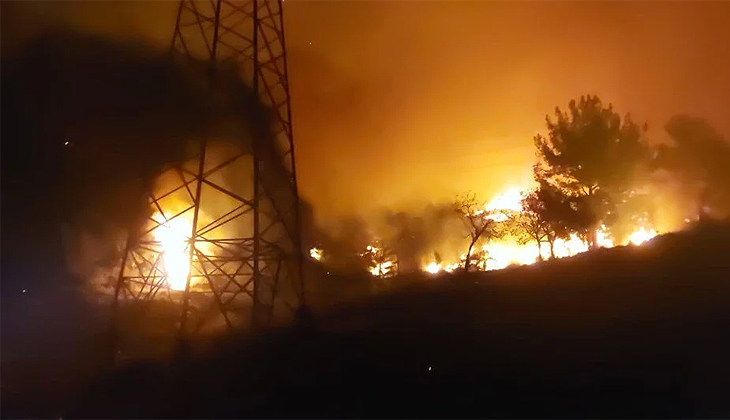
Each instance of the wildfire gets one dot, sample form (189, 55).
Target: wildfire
(316, 253)
(500, 254)
(508, 200)
(433, 268)
(451, 267)
(496, 254)
(382, 263)
(642, 235)
(568, 247)
(381, 269)
(173, 235)
(603, 239)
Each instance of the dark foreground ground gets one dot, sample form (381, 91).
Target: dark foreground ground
(628, 332)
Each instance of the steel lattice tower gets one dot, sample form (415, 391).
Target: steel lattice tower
(244, 249)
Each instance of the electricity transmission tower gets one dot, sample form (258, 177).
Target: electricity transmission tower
(237, 205)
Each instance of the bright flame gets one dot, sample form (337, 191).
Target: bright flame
(382, 269)
(503, 254)
(316, 253)
(603, 239)
(173, 235)
(433, 268)
(569, 247)
(642, 235)
(509, 200)
(451, 267)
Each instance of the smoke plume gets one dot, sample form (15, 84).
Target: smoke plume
(88, 123)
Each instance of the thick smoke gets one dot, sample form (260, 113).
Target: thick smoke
(694, 171)
(702, 156)
(436, 232)
(89, 123)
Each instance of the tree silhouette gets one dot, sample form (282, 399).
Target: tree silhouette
(477, 221)
(543, 219)
(407, 238)
(592, 157)
(700, 158)
(538, 221)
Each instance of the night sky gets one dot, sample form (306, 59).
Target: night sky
(399, 103)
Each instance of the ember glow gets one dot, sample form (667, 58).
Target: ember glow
(174, 235)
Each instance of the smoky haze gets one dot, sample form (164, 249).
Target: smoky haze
(445, 96)
(432, 232)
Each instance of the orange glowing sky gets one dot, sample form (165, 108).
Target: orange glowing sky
(401, 102)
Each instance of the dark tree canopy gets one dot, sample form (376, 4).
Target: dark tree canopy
(542, 219)
(593, 156)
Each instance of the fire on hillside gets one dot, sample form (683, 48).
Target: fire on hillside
(496, 254)
(499, 253)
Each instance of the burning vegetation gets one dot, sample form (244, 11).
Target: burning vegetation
(505, 231)
(381, 261)
(592, 189)
(596, 180)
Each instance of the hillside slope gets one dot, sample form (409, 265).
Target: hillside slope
(625, 332)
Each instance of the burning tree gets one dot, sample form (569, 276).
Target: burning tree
(382, 261)
(592, 157)
(477, 221)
